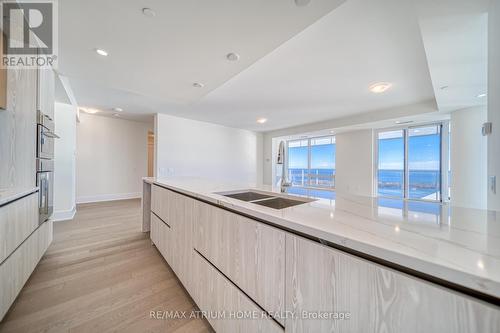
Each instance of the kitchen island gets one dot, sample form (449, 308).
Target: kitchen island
(349, 264)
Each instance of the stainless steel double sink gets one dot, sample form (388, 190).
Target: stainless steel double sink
(267, 199)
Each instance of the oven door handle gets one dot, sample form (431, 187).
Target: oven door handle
(47, 196)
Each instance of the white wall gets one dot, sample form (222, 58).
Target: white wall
(64, 162)
(354, 163)
(494, 100)
(193, 148)
(468, 158)
(111, 158)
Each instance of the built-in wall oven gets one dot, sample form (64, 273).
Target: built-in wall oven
(45, 165)
(45, 183)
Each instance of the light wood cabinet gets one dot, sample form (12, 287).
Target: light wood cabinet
(325, 280)
(160, 202)
(161, 236)
(17, 221)
(15, 271)
(18, 130)
(146, 206)
(182, 214)
(228, 308)
(154, 229)
(250, 253)
(177, 211)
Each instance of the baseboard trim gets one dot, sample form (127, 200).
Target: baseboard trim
(63, 215)
(108, 197)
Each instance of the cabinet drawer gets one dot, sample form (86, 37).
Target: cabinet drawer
(320, 278)
(215, 294)
(161, 235)
(249, 253)
(15, 271)
(17, 221)
(160, 202)
(181, 216)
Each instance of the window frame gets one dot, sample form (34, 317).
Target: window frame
(443, 160)
(308, 186)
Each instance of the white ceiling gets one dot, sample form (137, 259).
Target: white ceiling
(187, 41)
(298, 65)
(455, 35)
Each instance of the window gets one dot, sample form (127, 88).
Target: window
(424, 163)
(409, 163)
(391, 163)
(311, 162)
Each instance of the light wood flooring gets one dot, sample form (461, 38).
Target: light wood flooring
(101, 274)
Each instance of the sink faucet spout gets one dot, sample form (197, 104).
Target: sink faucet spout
(284, 183)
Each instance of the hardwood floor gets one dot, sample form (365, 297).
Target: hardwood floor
(101, 274)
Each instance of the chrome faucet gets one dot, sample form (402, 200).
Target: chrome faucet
(283, 182)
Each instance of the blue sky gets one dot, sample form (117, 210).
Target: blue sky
(423, 153)
(322, 157)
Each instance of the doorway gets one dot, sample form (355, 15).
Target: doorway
(151, 153)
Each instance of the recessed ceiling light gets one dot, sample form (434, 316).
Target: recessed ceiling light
(481, 95)
(233, 56)
(148, 12)
(380, 87)
(118, 109)
(261, 120)
(102, 52)
(198, 85)
(400, 122)
(89, 110)
(302, 3)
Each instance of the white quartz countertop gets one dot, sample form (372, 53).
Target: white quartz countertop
(455, 244)
(11, 194)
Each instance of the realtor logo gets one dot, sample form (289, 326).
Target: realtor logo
(29, 31)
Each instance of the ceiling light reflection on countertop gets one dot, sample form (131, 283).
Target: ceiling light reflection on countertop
(102, 52)
(380, 87)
